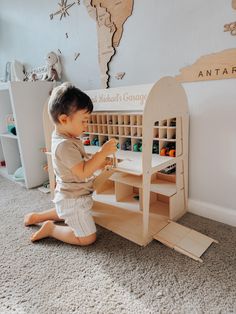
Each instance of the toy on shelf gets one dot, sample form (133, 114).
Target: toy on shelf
(33, 77)
(86, 140)
(168, 150)
(19, 174)
(2, 163)
(95, 142)
(10, 124)
(138, 146)
(169, 169)
(155, 147)
(53, 67)
(126, 145)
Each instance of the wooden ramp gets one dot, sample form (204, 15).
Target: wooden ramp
(184, 240)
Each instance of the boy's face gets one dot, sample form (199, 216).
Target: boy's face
(77, 123)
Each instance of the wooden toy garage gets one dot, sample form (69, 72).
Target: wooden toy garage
(148, 190)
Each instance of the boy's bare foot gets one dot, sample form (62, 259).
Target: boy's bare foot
(30, 219)
(43, 232)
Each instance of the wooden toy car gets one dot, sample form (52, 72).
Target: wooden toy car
(168, 150)
(155, 148)
(95, 141)
(169, 169)
(86, 140)
(138, 146)
(126, 145)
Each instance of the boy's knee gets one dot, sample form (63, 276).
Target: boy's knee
(83, 241)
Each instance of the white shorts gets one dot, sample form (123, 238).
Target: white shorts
(77, 214)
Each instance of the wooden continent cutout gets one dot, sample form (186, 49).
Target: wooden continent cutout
(110, 16)
(231, 27)
(234, 4)
(216, 66)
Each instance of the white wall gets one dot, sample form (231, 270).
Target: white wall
(212, 149)
(159, 38)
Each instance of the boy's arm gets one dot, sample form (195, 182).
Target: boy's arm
(86, 168)
(107, 162)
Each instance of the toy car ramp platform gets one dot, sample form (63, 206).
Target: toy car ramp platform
(184, 240)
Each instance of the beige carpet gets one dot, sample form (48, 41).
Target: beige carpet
(111, 276)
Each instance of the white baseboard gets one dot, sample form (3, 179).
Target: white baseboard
(214, 212)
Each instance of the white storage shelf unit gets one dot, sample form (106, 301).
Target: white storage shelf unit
(8, 142)
(25, 100)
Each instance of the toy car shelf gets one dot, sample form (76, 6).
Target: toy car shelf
(149, 189)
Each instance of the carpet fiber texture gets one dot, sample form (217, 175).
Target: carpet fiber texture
(111, 276)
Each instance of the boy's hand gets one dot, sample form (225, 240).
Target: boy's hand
(107, 162)
(109, 147)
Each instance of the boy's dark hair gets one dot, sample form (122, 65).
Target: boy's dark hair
(67, 99)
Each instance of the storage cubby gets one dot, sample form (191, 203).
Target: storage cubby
(109, 119)
(160, 204)
(124, 192)
(94, 119)
(105, 129)
(156, 132)
(133, 120)
(107, 189)
(110, 129)
(127, 120)
(172, 122)
(11, 153)
(163, 123)
(139, 132)
(139, 120)
(121, 130)
(163, 133)
(99, 119)
(127, 131)
(171, 134)
(104, 119)
(120, 119)
(95, 129)
(115, 130)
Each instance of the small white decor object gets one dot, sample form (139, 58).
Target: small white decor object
(53, 67)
